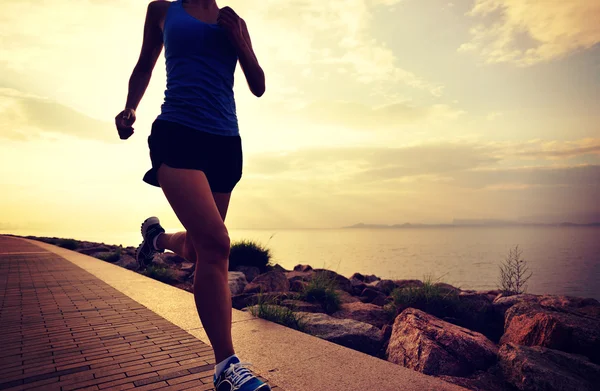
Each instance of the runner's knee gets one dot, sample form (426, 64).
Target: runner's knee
(212, 248)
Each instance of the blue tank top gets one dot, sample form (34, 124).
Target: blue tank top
(201, 63)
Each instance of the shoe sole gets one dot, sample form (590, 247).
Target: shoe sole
(150, 221)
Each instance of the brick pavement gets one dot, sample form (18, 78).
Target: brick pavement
(64, 329)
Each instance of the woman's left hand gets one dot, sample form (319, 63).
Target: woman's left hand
(233, 25)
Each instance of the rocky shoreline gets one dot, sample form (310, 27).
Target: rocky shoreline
(480, 340)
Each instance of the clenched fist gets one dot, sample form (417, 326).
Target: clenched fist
(124, 122)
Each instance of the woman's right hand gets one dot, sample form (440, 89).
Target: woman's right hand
(124, 122)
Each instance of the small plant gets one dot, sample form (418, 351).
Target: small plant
(266, 309)
(159, 273)
(430, 297)
(322, 289)
(249, 253)
(514, 273)
(69, 244)
(111, 257)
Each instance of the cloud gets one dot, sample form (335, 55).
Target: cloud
(25, 116)
(468, 165)
(355, 115)
(330, 41)
(526, 32)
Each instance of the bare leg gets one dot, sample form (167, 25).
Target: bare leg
(207, 238)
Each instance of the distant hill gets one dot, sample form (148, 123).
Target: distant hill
(473, 223)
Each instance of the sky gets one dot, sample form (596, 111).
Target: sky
(376, 111)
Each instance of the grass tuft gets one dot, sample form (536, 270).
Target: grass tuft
(249, 253)
(266, 309)
(322, 289)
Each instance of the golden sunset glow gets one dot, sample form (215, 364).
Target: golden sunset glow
(376, 111)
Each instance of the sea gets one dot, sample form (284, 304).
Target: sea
(563, 260)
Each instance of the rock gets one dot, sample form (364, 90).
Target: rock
(180, 275)
(346, 332)
(476, 312)
(251, 272)
(302, 268)
(503, 303)
(381, 300)
(541, 369)
(385, 286)
(170, 258)
(188, 267)
(362, 312)
(342, 282)
(346, 297)
(94, 249)
(369, 294)
(278, 268)
(357, 276)
(567, 330)
(490, 380)
(273, 281)
(298, 286)
(371, 278)
(302, 306)
(427, 344)
(237, 282)
(408, 284)
(244, 300)
(447, 288)
(298, 276)
(127, 262)
(357, 287)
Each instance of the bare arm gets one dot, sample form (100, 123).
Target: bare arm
(142, 72)
(152, 46)
(238, 33)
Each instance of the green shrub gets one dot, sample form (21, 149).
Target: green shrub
(429, 298)
(111, 257)
(70, 244)
(249, 253)
(322, 289)
(514, 273)
(160, 273)
(266, 309)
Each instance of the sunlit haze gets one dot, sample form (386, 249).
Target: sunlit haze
(376, 111)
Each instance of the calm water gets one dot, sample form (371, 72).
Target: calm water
(563, 260)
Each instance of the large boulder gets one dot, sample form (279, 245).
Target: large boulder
(475, 311)
(540, 369)
(251, 272)
(427, 344)
(503, 303)
(237, 282)
(273, 281)
(342, 282)
(490, 380)
(566, 329)
(362, 312)
(346, 332)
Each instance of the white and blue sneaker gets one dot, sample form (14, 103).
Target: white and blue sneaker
(236, 377)
(151, 228)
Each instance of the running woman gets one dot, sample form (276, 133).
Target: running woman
(196, 153)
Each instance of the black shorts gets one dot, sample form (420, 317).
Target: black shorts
(179, 146)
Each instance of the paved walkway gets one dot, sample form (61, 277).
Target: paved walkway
(64, 329)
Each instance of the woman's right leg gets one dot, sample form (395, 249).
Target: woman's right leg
(206, 241)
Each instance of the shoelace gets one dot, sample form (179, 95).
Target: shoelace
(238, 373)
